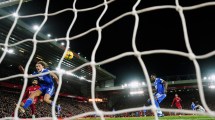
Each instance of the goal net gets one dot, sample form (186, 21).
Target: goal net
(97, 26)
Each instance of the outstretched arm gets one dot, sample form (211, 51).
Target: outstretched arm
(165, 85)
(55, 77)
(21, 69)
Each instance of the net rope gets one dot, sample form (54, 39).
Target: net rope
(93, 63)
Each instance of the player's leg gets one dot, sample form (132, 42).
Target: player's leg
(158, 99)
(159, 112)
(47, 97)
(21, 104)
(33, 110)
(30, 100)
(179, 107)
(49, 91)
(161, 97)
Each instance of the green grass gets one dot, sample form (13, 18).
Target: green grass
(195, 117)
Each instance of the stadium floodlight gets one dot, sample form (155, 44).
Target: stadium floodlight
(60, 70)
(15, 14)
(211, 86)
(10, 51)
(62, 43)
(35, 27)
(136, 92)
(134, 84)
(55, 39)
(213, 77)
(49, 35)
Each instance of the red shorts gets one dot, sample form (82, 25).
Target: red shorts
(34, 102)
(179, 106)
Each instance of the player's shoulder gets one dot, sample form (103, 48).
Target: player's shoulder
(34, 73)
(45, 70)
(37, 86)
(159, 80)
(30, 88)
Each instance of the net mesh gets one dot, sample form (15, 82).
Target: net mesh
(135, 13)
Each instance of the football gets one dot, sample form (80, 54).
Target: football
(69, 55)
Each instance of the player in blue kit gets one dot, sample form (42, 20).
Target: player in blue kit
(193, 106)
(46, 85)
(159, 92)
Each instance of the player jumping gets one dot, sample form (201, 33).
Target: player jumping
(160, 92)
(177, 101)
(46, 85)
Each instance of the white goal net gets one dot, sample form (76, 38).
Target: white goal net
(99, 27)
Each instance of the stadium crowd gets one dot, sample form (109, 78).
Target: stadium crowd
(70, 107)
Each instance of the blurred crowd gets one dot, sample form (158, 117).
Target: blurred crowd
(69, 106)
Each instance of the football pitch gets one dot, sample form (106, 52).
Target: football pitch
(195, 117)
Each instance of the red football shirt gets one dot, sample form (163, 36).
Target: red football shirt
(30, 90)
(177, 101)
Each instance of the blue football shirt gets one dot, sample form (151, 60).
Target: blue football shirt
(159, 86)
(44, 79)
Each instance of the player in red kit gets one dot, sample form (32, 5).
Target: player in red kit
(177, 101)
(28, 92)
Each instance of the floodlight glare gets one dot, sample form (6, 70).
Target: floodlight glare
(60, 70)
(49, 35)
(10, 51)
(143, 83)
(212, 86)
(136, 92)
(35, 27)
(213, 77)
(133, 84)
(81, 77)
(15, 14)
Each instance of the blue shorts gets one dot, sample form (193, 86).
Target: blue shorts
(160, 97)
(47, 89)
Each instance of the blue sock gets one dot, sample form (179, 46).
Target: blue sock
(158, 107)
(157, 104)
(52, 104)
(28, 102)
